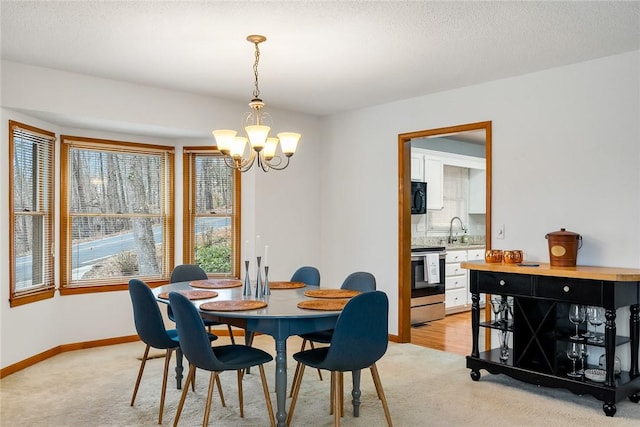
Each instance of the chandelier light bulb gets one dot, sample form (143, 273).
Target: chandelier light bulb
(270, 148)
(224, 140)
(257, 136)
(289, 142)
(237, 149)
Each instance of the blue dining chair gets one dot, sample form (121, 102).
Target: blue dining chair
(187, 273)
(359, 340)
(359, 281)
(308, 275)
(200, 354)
(151, 330)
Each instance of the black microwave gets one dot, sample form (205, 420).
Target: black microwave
(418, 197)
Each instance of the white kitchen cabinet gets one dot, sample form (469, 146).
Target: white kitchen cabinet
(456, 283)
(433, 175)
(457, 296)
(417, 166)
(475, 254)
(477, 191)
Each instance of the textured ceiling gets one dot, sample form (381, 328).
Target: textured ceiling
(320, 57)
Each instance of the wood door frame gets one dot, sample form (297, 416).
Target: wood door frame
(404, 212)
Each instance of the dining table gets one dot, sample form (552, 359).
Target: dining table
(280, 318)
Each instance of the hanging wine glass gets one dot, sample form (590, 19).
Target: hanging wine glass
(573, 353)
(576, 316)
(596, 318)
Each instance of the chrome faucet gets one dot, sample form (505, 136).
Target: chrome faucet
(452, 239)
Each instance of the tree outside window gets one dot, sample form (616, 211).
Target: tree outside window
(211, 212)
(116, 213)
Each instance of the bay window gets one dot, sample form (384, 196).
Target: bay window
(211, 200)
(116, 217)
(31, 221)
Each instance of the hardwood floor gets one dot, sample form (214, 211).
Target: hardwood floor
(451, 334)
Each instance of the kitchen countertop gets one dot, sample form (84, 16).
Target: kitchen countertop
(544, 269)
(463, 246)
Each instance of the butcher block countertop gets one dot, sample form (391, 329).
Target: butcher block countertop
(615, 274)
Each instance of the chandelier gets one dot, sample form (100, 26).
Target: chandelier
(256, 124)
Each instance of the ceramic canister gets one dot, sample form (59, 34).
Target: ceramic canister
(563, 248)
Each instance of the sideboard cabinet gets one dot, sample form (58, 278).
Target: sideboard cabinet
(541, 296)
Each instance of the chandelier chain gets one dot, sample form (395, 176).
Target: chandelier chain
(256, 91)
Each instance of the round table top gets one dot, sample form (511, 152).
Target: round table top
(282, 303)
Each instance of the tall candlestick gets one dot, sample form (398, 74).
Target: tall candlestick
(257, 245)
(266, 253)
(259, 288)
(246, 247)
(246, 290)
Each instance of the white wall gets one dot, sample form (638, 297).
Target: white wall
(283, 207)
(565, 154)
(566, 150)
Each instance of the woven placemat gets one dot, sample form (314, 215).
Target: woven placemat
(286, 285)
(192, 295)
(216, 283)
(324, 305)
(331, 293)
(240, 305)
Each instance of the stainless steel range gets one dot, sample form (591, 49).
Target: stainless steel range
(427, 283)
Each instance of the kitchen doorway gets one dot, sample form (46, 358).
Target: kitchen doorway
(404, 208)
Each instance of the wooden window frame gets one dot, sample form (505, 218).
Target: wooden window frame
(45, 209)
(168, 185)
(188, 243)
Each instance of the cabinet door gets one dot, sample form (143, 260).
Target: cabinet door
(475, 255)
(477, 191)
(417, 167)
(456, 256)
(455, 298)
(433, 175)
(454, 269)
(457, 282)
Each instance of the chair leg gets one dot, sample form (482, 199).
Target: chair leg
(233, 340)
(331, 396)
(239, 373)
(207, 408)
(340, 397)
(341, 389)
(267, 398)
(140, 371)
(165, 374)
(193, 382)
(185, 390)
(220, 391)
(296, 389)
(319, 372)
(378, 384)
(335, 376)
(295, 373)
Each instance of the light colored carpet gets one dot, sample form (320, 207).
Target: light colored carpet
(424, 387)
